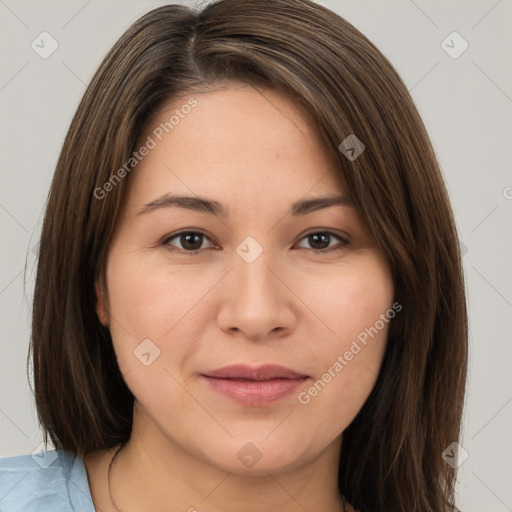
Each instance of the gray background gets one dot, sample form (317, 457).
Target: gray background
(466, 104)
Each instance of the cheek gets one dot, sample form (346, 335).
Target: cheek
(349, 299)
(150, 298)
(355, 306)
(159, 311)
(149, 305)
(150, 302)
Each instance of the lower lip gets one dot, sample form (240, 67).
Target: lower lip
(255, 393)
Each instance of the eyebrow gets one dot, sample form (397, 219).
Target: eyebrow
(202, 204)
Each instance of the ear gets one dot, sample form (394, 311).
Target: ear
(100, 305)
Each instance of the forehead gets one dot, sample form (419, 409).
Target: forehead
(236, 139)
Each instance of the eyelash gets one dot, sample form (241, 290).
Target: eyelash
(166, 242)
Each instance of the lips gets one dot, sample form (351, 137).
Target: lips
(265, 372)
(251, 386)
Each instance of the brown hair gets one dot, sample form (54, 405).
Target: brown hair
(391, 457)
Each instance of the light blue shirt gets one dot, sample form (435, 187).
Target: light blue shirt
(49, 481)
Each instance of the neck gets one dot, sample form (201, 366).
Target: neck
(153, 473)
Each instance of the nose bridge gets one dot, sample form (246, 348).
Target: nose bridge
(255, 284)
(256, 303)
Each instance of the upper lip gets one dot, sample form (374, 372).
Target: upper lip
(264, 372)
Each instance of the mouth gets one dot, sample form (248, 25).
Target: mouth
(252, 386)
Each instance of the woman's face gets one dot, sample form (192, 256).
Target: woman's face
(259, 276)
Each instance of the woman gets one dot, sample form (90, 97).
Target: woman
(249, 292)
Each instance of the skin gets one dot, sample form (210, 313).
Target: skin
(254, 152)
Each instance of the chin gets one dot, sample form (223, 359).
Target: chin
(244, 456)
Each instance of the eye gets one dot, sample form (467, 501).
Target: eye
(190, 242)
(320, 241)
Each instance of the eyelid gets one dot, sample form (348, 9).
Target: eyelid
(167, 238)
(343, 241)
(345, 237)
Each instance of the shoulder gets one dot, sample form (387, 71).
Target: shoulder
(53, 481)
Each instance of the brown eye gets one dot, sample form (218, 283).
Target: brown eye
(321, 241)
(186, 241)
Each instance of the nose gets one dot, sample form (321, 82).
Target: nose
(257, 301)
